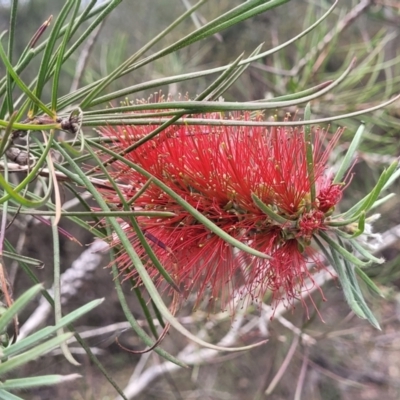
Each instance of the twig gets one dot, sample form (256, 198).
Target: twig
(283, 366)
(302, 376)
(307, 339)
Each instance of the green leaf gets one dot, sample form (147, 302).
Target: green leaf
(368, 201)
(18, 305)
(201, 97)
(357, 232)
(4, 395)
(200, 107)
(342, 251)
(384, 199)
(61, 51)
(218, 86)
(392, 178)
(32, 354)
(29, 53)
(309, 153)
(44, 333)
(146, 311)
(57, 291)
(348, 159)
(102, 11)
(365, 253)
(11, 35)
(273, 215)
(72, 98)
(135, 324)
(380, 185)
(348, 280)
(348, 289)
(21, 85)
(368, 281)
(190, 107)
(44, 65)
(20, 258)
(337, 221)
(27, 383)
(131, 319)
(359, 296)
(30, 127)
(179, 78)
(21, 199)
(115, 213)
(229, 81)
(103, 83)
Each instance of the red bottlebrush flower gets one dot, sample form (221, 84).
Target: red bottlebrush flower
(218, 170)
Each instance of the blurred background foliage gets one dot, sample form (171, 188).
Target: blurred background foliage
(345, 358)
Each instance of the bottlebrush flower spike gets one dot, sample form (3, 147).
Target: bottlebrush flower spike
(250, 181)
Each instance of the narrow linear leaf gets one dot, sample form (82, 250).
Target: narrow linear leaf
(103, 83)
(309, 152)
(57, 291)
(348, 158)
(347, 286)
(45, 380)
(368, 281)
(11, 193)
(4, 395)
(338, 221)
(44, 333)
(73, 98)
(11, 36)
(20, 84)
(199, 107)
(32, 354)
(209, 106)
(20, 258)
(368, 201)
(82, 343)
(18, 305)
(50, 44)
(121, 214)
(61, 51)
(359, 296)
(365, 253)
(342, 251)
(267, 210)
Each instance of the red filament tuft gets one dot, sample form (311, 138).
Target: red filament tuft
(217, 169)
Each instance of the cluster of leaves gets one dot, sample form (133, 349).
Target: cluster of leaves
(16, 354)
